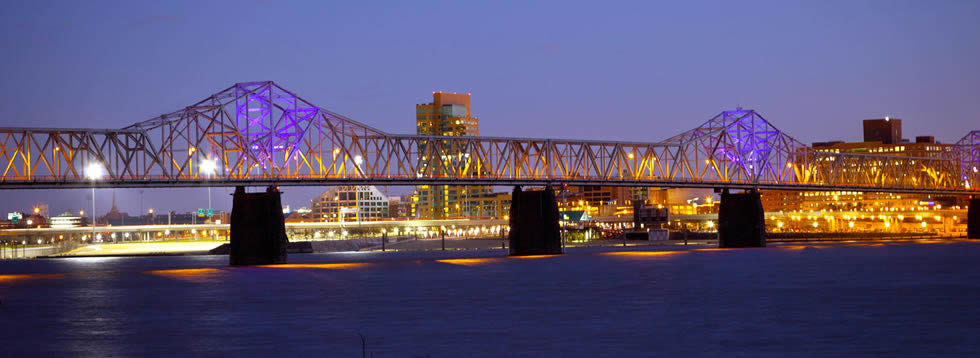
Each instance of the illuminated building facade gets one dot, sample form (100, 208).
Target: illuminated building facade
(401, 207)
(449, 114)
(868, 211)
(350, 203)
(487, 206)
(882, 136)
(66, 220)
(609, 200)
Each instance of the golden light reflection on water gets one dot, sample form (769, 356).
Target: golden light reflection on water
(868, 244)
(941, 241)
(643, 253)
(209, 274)
(716, 249)
(190, 275)
(30, 276)
(470, 262)
(339, 266)
(532, 256)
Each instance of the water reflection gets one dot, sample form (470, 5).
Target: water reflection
(198, 275)
(643, 253)
(533, 256)
(341, 266)
(904, 299)
(20, 277)
(471, 262)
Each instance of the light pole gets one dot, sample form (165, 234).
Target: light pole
(141, 202)
(208, 166)
(94, 172)
(93, 211)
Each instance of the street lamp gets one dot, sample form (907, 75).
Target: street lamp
(208, 167)
(94, 172)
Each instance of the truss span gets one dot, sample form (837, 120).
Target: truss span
(259, 133)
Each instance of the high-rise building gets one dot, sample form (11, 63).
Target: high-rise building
(886, 130)
(449, 114)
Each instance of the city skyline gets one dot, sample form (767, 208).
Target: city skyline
(577, 178)
(649, 85)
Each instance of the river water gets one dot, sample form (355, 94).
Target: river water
(887, 299)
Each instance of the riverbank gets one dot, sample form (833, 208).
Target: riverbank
(162, 248)
(202, 247)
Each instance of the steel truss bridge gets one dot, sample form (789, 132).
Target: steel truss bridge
(258, 133)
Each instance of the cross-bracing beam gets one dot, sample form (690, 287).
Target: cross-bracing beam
(258, 133)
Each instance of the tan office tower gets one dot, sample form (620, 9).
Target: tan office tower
(449, 114)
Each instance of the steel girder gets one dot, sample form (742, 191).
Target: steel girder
(259, 133)
(966, 153)
(741, 146)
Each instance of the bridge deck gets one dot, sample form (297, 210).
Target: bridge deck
(257, 133)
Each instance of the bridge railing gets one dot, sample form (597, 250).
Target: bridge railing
(62, 157)
(258, 133)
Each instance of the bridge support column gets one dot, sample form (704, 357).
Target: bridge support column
(258, 231)
(534, 226)
(741, 220)
(973, 219)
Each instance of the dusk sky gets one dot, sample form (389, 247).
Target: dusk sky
(638, 71)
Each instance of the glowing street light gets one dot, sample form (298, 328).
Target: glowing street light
(208, 167)
(94, 171)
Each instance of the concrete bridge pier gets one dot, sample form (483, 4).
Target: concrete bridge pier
(534, 226)
(258, 230)
(741, 220)
(973, 219)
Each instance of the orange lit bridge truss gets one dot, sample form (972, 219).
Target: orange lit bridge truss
(258, 133)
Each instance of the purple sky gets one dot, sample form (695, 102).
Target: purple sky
(639, 71)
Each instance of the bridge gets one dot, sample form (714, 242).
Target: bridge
(258, 133)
